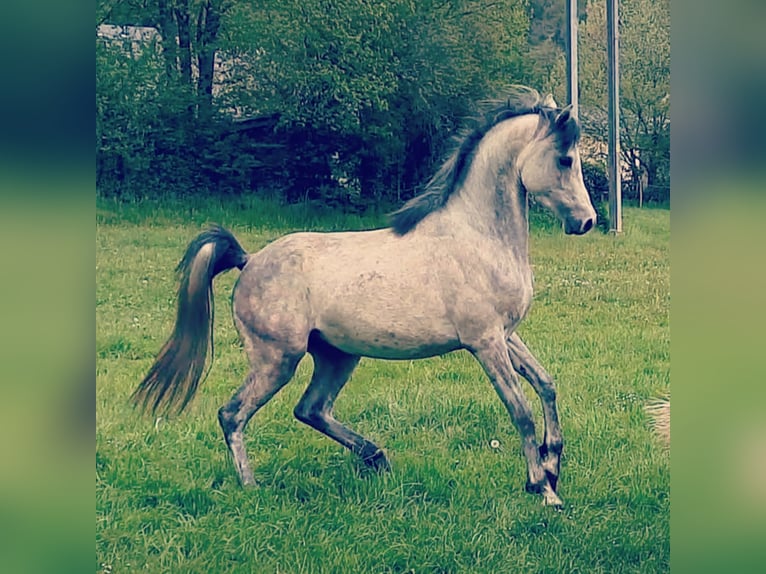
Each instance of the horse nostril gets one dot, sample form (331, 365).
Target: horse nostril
(588, 226)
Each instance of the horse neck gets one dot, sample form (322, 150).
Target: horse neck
(492, 199)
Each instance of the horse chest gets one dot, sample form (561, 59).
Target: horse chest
(513, 297)
(492, 291)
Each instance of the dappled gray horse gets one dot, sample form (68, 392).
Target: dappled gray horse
(452, 272)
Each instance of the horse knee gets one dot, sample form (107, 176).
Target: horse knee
(227, 418)
(548, 390)
(307, 413)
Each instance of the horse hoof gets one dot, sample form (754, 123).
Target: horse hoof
(247, 481)
(552, 500)
(378, 462)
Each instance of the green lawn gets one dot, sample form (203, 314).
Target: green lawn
(167, 497)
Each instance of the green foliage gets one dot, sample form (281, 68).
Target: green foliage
(547, 45)
(167, 498)
(597, 185)
(596, 181)
(125, 88)
(367, 93)
(383, 85)
(644, 90)
(154, 136)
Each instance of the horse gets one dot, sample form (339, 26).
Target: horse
(450, 272)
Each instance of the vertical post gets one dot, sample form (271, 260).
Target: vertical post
(572, 79)
(613, 81)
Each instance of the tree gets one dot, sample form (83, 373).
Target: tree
(188, 30)
(367, 92)
(386, 81)
(547, 46)
(644, 86)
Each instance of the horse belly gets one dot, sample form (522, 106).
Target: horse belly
(388, 345)
(388, 335)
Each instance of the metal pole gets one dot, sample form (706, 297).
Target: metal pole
(613, 80)
(572, 79)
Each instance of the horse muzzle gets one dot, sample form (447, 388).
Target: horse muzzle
(579, 226)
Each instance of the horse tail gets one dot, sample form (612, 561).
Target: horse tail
(175, 375)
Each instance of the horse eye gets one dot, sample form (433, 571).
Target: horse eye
(565, 161)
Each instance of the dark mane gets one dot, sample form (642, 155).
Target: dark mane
(452, 173)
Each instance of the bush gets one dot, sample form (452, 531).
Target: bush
(597, 185)
(596, 182)
(367, 95)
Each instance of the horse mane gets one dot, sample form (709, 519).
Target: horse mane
(450, 176)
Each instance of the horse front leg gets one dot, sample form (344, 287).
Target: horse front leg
(529, 368)
(495, 359)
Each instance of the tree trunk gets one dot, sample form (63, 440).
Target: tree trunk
(167, 29)
(208, 23)
(184, 41)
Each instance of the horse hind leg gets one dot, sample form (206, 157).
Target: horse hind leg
(332, 369)
(271, 370)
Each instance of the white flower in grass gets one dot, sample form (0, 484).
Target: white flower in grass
(494, 443)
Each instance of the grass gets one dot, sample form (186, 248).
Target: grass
(167, 497)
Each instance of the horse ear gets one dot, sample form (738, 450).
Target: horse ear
(567, 127)
(549, 102)
(564, 116)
